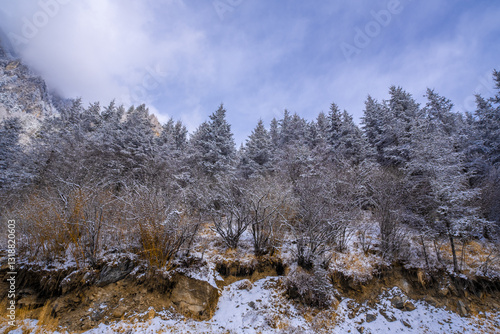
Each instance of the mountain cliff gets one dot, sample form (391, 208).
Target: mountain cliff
(23, 94)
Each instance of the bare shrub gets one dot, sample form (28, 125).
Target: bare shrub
(70, 219)
(310, 288)
(41, 233)
(387, 194)
(233, 217)
(271, 206)
(161, 225)
(328, 205)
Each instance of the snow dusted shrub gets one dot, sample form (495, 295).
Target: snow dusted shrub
(328, 205)
(163, 229)
(40, 231)
(271, 206)
(387, 195)
(490, 201)
(68, 221)
(232, 218)
(311, 288)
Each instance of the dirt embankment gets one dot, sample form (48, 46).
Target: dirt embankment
(457, 293)
(82, 298)
(125, 289)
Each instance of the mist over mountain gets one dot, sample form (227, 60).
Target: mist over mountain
(347, 212)
(23, 93)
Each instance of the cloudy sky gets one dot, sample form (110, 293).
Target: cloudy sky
(185, 57)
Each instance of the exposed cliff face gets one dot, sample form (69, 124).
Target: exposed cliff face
(23, 94)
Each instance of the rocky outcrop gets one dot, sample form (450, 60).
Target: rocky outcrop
(109, 291)
(112, 273)
(23, 94)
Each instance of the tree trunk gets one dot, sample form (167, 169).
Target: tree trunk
(425, 252)
(454, 253)
(438, 252)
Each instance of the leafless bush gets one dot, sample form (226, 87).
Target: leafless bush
(233, 217)
(41, 230)
(328, 204)
(70, 219)
(161, 225)
(270, 204)
(310, 288)
(388, 198)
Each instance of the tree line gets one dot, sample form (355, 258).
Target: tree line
(98, 179)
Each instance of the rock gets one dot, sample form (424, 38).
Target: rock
(29, 302)
(453, 290)
(194, 298)
(60, 306)
(252, 305)
(444, 292)
(245, 285)
(119, 312)
(398, 302)
(432, 301)
(422, 277)
(361, 329)
(72, 282)
(12, 65)
(406, 323)
(409, 306)
(97, 315)
(113, 273)
(371, 317)
(462, 310)
(388, 317)
(86, 324)
(151, 314)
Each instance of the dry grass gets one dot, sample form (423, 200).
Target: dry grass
(355, 264)
(46, 322)
(473, 256)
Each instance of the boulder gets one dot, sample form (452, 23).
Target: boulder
(409, 306)
(398, 302)
(387, 316)
(370, 317)
(462, 309)
(112, 273)
(194, 298)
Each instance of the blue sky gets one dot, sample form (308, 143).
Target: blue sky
(183, 58)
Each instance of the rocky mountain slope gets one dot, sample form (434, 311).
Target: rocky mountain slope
(23, 94)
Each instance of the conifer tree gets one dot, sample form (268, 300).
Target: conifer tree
(212, 145)
(256, 154)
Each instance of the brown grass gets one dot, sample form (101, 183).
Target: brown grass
(46, 322)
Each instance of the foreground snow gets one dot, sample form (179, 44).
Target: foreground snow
(261, 308)
(424, 319)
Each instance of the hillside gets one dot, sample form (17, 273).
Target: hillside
(119, 224)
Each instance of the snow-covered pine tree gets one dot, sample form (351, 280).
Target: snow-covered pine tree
(397, 126)
(334, 125)
(135, 145)
(256, 155)
(435, 172)
(212, 147)
(351, 144)
(375, 114)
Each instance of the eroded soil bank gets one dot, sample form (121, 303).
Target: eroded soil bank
(80, 299)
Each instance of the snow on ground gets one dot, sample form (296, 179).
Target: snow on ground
(205, 273)
(424, 319)
(261, 308)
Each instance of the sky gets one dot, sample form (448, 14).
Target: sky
(183, 58)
